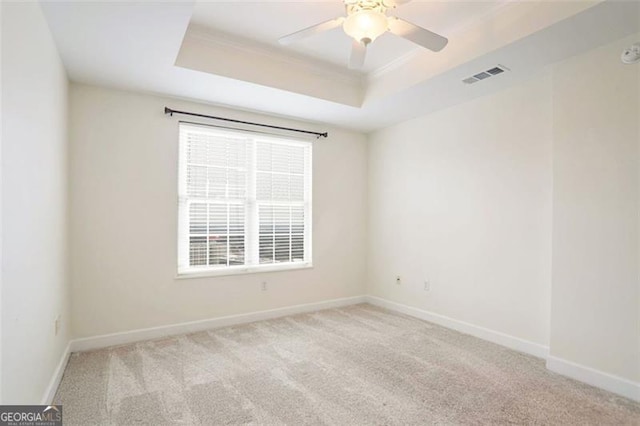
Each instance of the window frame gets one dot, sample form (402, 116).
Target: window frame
(251, 205)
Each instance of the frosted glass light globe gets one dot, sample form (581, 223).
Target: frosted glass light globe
(366, 25)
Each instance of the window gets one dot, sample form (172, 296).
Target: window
(244, 201)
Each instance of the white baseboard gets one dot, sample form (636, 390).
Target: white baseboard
(599, 379)
(50, 392)
(503, 339)
(593, 377)
(584, 374)
(106, 340)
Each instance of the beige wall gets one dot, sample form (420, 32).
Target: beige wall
(522, 209)
(462, 197)
(124, 212)
(596, 288)
(34, 205)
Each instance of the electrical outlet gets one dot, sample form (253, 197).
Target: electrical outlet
(427, 285)
(398, 280)
(264, 286)
(56, 325)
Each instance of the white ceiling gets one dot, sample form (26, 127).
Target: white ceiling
(141, 46)
(264, 22)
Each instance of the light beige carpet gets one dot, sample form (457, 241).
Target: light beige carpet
(359, 365)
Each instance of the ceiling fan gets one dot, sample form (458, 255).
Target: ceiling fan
(366, 20)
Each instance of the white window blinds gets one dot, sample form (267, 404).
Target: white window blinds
(244, 201)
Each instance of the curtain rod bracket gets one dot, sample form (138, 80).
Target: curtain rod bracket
(288, 129)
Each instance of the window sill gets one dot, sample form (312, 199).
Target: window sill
(242, 270)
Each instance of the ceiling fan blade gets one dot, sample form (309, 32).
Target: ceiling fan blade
(307, 32)
(358, 53)
(416, 34)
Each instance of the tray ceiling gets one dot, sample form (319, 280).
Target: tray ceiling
(226, 53)
(264, 22)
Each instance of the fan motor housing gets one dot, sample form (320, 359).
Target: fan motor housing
(355, 6)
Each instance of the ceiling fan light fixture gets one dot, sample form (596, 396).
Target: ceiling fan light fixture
(365, 26)
(367, 20)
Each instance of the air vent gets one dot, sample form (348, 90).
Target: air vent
(485, 74)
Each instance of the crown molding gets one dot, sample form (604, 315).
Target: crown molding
(393, 65)
(310, 65)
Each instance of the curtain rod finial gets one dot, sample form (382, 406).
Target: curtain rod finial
(168, 111)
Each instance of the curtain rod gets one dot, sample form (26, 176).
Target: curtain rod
(173, 111)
